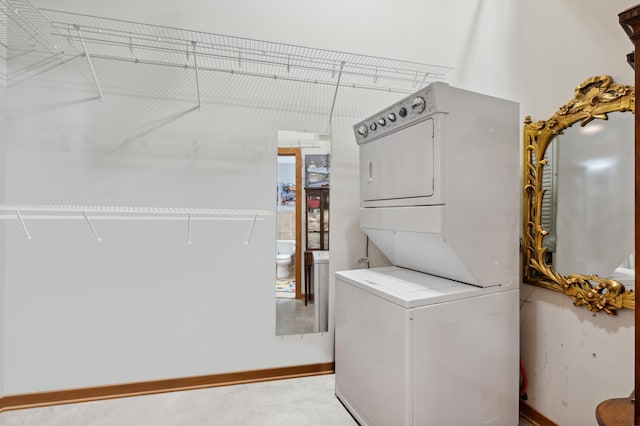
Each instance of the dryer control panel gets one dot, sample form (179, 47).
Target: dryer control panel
(410, 110)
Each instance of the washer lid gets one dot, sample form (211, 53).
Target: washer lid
(408, 288)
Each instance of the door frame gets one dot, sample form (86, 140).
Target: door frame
(297, 152)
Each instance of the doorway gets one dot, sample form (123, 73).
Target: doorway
(288, 220)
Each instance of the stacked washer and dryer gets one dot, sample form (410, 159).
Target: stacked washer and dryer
(434, 339)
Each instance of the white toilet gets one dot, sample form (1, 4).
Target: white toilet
(286, 248)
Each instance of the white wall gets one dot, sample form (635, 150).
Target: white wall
(575, 359)
(3, 105)
(89, 325)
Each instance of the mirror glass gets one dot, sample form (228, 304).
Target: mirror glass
(589, 200)
(302, 233)
(578, 210)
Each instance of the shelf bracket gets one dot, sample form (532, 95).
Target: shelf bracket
(195, 64)
(86, 53)
(93, 230)
(253, 224)
(426, 74)
(24, 226)
(335, 95)
(69, 37)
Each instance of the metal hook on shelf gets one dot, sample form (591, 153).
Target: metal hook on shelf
(288, 63)
(93, 230)
(195, 64)
(253, 224)
(69, 37)
(86, 54)
(426, 74)
(24, 226)
(335, 94)
(415, 80)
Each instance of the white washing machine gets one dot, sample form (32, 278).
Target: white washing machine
(412, 349)
(434, 340)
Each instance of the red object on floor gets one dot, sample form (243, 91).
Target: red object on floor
(525, 379)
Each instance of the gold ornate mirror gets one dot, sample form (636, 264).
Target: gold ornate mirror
(602, 291)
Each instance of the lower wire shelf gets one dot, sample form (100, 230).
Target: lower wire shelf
(22, 212)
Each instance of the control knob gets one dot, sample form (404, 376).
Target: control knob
(373, 126)
(392, 117)
(382, 122)
(402, 112)
(418, 104)
(363, 131)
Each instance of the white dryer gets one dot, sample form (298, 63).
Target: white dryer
(434, 340)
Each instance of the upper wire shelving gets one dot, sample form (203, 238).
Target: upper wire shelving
(161, 45)
(120, 40)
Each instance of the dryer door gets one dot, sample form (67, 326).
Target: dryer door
(399, 165)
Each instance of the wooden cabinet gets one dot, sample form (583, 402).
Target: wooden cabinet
(630, 22)
(317, 218)
(316, 230)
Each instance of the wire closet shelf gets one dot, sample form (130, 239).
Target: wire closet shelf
(121, 40)
(90, 213)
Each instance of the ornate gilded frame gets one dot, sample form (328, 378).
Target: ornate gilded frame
(594, 98)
